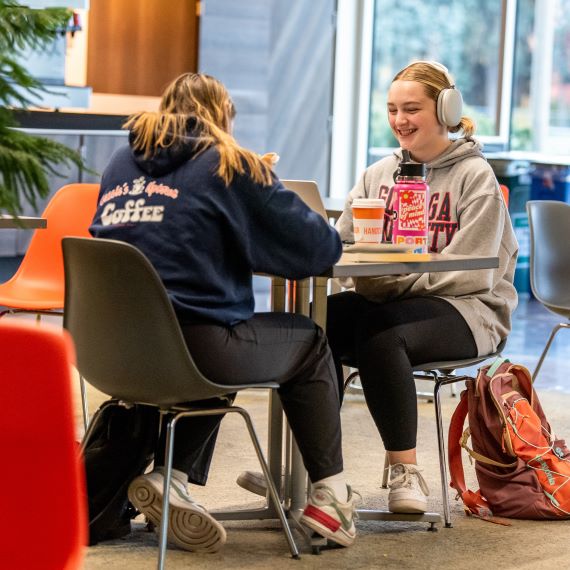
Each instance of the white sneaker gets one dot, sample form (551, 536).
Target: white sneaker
(190, 526)
(330, 518)
(254, 482)
(408, 489)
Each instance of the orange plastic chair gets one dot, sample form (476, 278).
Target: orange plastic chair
(37, 438)
(38, 284)
(505, 193)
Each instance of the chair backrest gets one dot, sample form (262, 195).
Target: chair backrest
(549, 223)
(37, 438)
(127, 338)
(68, 213)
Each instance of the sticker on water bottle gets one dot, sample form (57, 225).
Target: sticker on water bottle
(412, 211)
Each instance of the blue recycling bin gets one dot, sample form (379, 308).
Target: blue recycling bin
(516, 176)
(522, 270)
(550, 182)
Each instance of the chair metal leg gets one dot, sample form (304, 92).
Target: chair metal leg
(274, 495)
(163, 537)
(386, 472)
(430, 375)
(270, 483)
(547, 348)
(84, 406)
(441, 449)
(288, 466)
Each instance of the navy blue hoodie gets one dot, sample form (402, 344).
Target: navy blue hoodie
(204, 238)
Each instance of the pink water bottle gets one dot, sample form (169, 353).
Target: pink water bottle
(411, 199)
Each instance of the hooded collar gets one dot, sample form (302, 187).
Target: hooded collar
(458, 150)
(168, 159)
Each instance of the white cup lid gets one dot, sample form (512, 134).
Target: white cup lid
(368, 203)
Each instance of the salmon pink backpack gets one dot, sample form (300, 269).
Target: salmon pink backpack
(523, 470)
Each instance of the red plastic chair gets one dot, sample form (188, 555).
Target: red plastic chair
(38, 285)
(42, 487)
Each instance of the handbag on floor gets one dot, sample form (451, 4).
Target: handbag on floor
(119, 447)
(522, 468)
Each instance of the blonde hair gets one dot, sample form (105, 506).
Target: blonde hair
(434, 77)
(204, 100)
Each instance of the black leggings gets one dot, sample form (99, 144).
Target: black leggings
(285, 348)
(384, 341)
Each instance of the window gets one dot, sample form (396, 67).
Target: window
(521, 126)
(560, 101)
(541, 88)
(492, 48)
(465, 35)
(509, 58)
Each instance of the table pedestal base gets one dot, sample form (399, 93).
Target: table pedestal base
(314, 540)
(375, 515)
(317, 542)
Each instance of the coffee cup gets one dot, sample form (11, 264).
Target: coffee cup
(368, 219)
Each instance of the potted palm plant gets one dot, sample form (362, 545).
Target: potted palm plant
(25, 160)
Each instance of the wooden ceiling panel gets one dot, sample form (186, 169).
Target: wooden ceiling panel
(136, 47)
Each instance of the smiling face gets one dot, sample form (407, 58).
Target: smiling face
(413, 120)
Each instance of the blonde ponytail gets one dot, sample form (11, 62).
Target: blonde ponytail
(203, 100)
(466, 125)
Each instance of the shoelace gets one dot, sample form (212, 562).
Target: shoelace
(351, 493)
(181, 489)
(332, 500)
(330, 497)
(405, 479)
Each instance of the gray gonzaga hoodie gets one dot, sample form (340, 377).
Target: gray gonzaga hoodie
(467, 215)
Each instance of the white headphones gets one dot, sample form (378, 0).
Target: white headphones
(449, 101)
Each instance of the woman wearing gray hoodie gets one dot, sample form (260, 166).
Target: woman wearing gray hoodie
(387, 325)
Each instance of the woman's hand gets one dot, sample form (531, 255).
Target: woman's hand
(270, 158)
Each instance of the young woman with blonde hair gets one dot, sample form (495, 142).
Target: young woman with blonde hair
(389, 324)
(208, 214)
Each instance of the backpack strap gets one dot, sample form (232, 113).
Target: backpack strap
(474, 503)
(477, 456)
(454, 446)
(495, 366)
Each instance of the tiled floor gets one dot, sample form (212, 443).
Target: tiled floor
(532, 325)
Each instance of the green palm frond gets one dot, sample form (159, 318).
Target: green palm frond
(18, 77)
(26, 161)
(21, 26)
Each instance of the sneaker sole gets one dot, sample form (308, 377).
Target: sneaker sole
(407, 507)
(189, 527)
(252, 484)
(257, 485)
(340, 538)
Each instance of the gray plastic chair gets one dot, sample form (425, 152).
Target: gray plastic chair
(129, 345)
(549, 223)
(442, 374)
